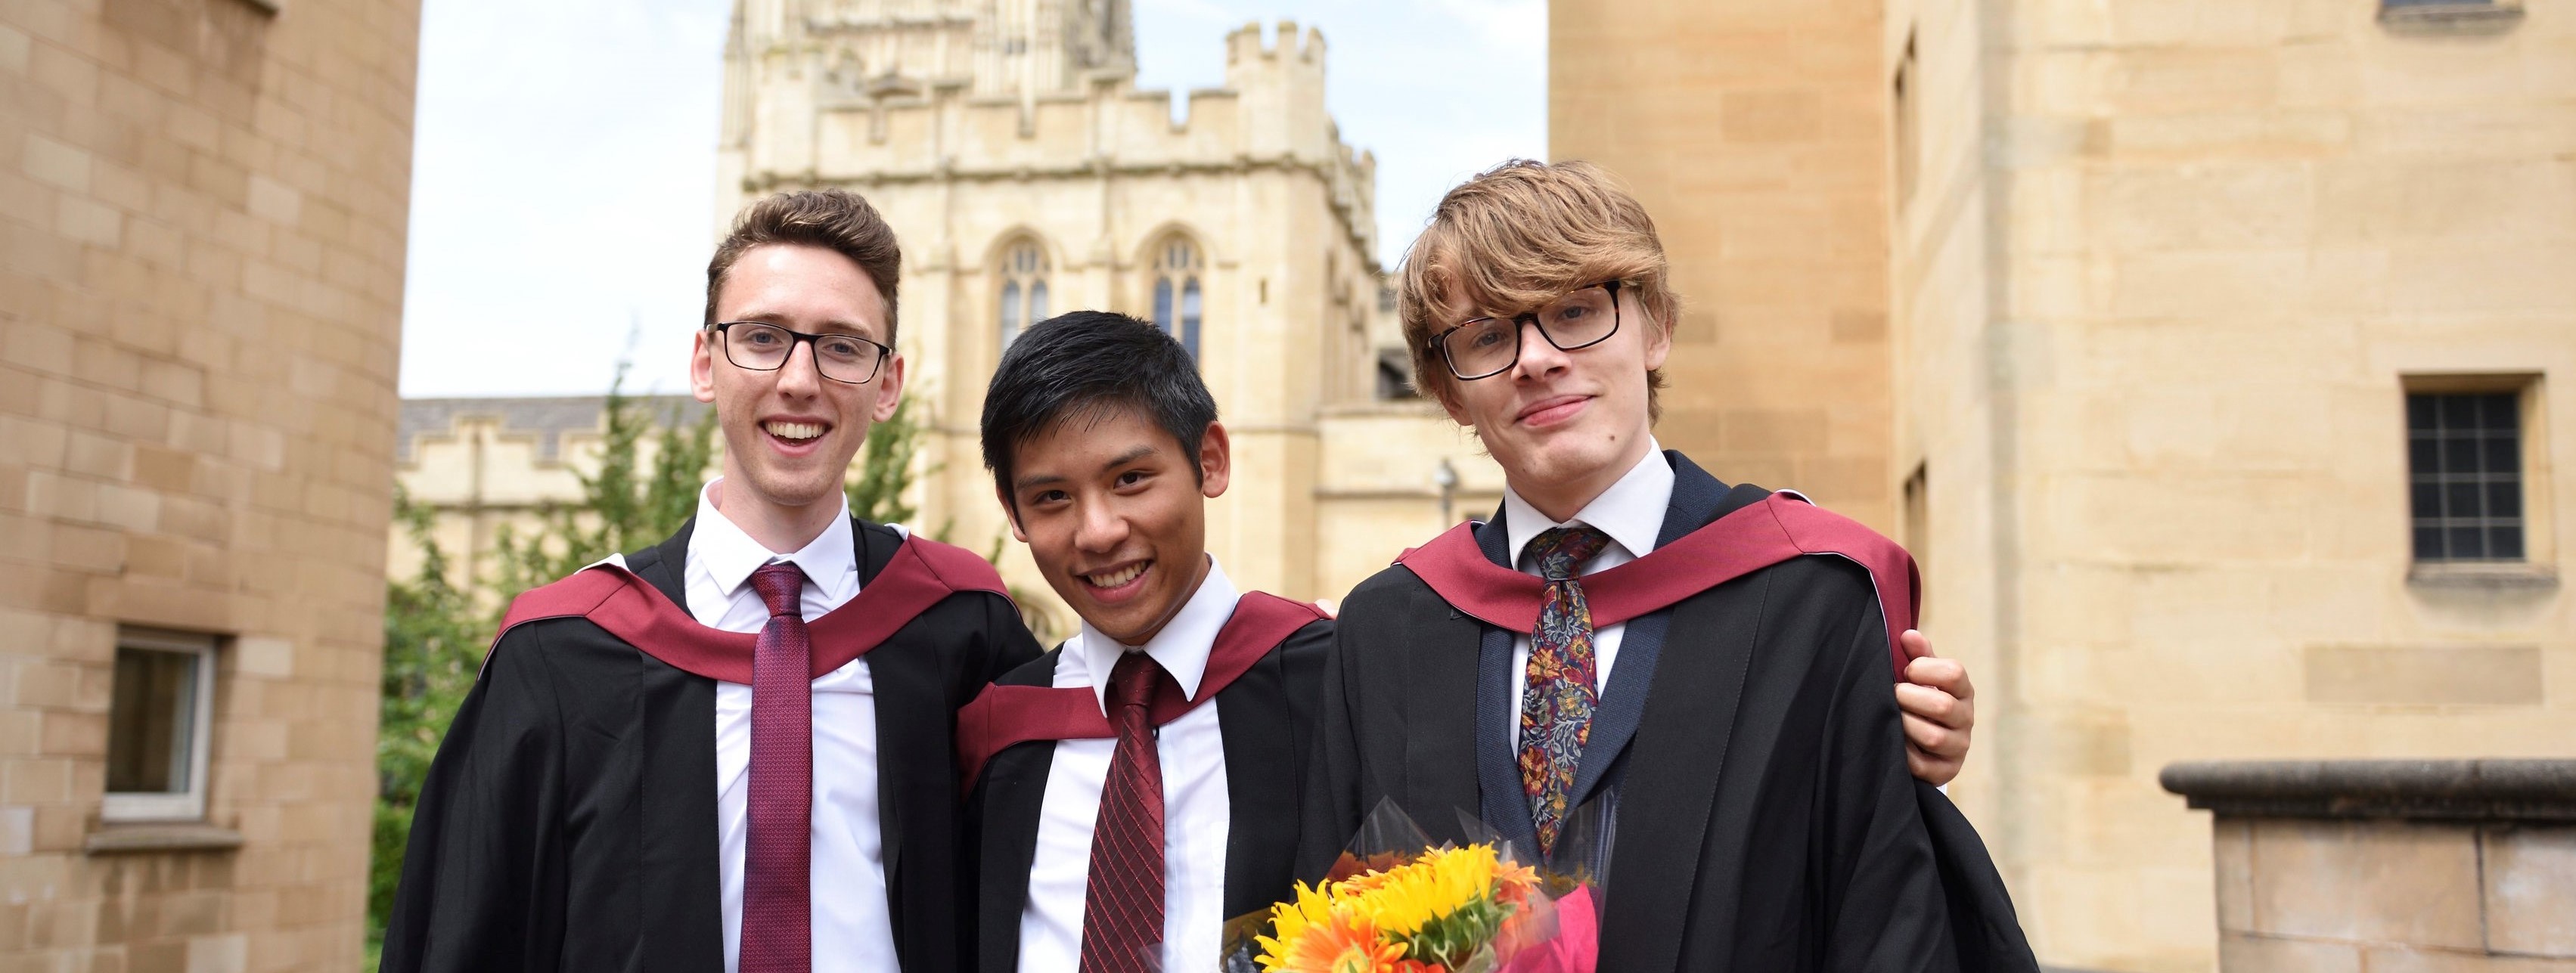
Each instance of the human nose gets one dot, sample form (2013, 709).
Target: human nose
(1099, 528)
(1538, 356)
(798, 375)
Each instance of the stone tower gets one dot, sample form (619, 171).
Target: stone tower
(1025, 175)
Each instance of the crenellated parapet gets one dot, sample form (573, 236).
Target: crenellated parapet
(817, 111)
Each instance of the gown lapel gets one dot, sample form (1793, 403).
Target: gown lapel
(913, 788)
(1501, 803)
(1442, 742)
(1678, 757)
(1008, 804)
(683, 924)
(1263, 749)
(1696, 502)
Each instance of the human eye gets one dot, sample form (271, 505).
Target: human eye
(759, 337)
(846, 349)
(1133, 477)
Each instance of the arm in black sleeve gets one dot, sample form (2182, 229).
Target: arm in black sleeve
(483, 874)
(1883, 900)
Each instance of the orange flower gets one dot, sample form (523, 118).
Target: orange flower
(1348, 944)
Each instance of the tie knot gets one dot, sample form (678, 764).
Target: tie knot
(1561, 551)
(781, 587)
(1132, 679)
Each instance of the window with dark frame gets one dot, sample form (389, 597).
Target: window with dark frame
(160, 713)
(2464, 466)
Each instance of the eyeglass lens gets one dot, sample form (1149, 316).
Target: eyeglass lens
(1487, 346)
(843, 358)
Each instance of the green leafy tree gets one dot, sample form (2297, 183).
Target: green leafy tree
(885, 469)
(624, 505)
(434, 640)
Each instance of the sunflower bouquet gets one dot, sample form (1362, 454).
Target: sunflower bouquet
(1445, 909)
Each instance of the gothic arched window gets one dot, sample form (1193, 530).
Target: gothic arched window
(1024, 289)
(1176, 291)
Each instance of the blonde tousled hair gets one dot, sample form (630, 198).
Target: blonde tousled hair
(1514, 238)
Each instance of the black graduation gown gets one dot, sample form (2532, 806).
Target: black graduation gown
(1267, 716)
(569, 820)
(1748, 743)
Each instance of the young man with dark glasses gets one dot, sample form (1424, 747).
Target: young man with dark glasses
(731, 750)
(1675, 686)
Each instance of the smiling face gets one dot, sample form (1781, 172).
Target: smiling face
(1565, 425)
(790, 432)
(1114, 512)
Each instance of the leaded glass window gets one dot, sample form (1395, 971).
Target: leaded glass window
(1024, 289)
(1177, 301)
(2464, 464)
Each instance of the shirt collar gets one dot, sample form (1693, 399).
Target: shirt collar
(1631, 511)
(1181, 648)
(730, 555)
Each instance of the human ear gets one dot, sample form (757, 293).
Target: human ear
(889, 388)
(1216, 460)
(1011, 514)
(702, 366)
(1659, 339)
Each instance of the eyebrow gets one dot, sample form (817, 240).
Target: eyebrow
(829, 327)
(1122, 459)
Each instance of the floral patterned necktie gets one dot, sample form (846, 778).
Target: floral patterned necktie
(1556, 705)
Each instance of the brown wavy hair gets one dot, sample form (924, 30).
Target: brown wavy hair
(834, 219)
(1514, 238)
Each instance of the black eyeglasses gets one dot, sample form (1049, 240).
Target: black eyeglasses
(1486, 347)
(763, 347)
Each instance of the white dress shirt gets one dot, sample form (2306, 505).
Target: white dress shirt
(851, 927)
(1196, 812)
(1631, 511)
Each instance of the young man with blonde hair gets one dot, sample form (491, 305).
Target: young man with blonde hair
(1673, 685)
(731, 750)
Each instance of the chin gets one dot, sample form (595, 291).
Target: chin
(794, 488)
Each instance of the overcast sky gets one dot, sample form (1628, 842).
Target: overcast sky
(563, 171)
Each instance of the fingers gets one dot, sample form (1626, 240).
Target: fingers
(1945, 675)
(1934, 753)
(1917, 645)
(1927, 703)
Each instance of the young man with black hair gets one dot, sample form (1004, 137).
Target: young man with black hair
(1118, 820)
(1707, 664)
(731, 750)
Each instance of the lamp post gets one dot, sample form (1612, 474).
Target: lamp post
(1446, 478)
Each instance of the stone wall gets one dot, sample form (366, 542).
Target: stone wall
(2160, 276)
(1755, 133)
(202, 218)
(2455, 866)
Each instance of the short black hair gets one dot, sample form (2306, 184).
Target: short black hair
(1081, 364)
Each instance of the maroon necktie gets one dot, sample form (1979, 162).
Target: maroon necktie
(777, 911)
(1122, 906)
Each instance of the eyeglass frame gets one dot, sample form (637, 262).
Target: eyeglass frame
(1528, 319)
(795, 337)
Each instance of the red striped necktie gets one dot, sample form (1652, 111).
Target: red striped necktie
(777, 905)
(1122, 904)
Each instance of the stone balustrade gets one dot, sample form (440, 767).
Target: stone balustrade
(2379, 866)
